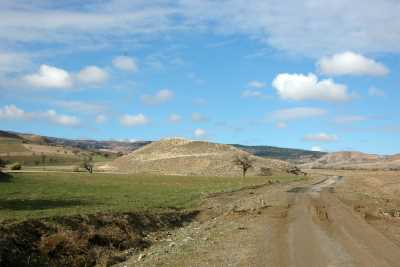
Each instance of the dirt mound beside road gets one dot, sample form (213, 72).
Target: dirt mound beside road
(186, 157)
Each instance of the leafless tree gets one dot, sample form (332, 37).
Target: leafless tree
(88, 165)
(245, 162)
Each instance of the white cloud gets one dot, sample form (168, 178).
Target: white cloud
(80, 106)
(373, 91)
(200, 101)
(301, 87)
(256, 84)
(317, 149)
(281, 125)
(101, 119)
(174, 118)
(349, 63)
(350, 119)
(134, 120)
(160, 97)
(92, 75)
(254, 93)
(125, 63)
(320, 137)
(49, 77)
(284, 115)
(199, 133)
(60, 119)
(11, 62)
(11, 112)
(308, 27)
(198, 117)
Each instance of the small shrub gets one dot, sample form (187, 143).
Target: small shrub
(75, 169)
(265, 171)
(16, 166)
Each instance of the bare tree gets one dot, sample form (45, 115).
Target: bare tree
(87, 164)
(245, 162)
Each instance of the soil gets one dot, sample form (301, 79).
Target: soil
(335, 219)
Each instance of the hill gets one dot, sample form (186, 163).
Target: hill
(186, 157)
(352, 160)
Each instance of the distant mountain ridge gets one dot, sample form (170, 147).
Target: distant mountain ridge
(297, 156)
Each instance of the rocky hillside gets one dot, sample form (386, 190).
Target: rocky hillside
(185, 157)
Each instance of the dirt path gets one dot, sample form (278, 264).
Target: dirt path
(300, 224)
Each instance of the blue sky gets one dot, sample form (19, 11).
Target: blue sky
(283, 73)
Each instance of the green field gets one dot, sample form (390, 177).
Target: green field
(32, 195)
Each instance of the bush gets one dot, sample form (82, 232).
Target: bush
(16, 166)
(75, 169)
(265, 171)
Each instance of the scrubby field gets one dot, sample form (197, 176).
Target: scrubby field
(33, 195)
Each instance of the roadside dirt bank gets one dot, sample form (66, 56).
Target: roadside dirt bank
(317, 222)
(101, 239)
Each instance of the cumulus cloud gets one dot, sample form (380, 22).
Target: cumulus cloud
(284, 115)
(350, 119)
(125, 63)
(317, 149)
(60, 119)
(158, 98)
(199, 132)
(174, 118)
(256, 84)
(320, 137)
(376, 92)
(350, 63)
(307, 87)
(49, 77)
(134, 120)
(92, 75)
(101, 119)
(198, 117)
(11, 112)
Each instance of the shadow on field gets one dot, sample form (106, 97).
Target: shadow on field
(38, 204)
(5, 177)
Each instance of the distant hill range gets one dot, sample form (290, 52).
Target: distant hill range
(353, 160)
(28, 148)
(296, 156)
(292, 155)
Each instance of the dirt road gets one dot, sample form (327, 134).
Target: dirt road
(302, 224)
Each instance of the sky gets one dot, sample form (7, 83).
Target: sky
(319, 75)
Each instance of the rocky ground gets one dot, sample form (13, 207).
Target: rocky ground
(333, 219)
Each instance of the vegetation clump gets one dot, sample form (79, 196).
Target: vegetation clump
(16, 167)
